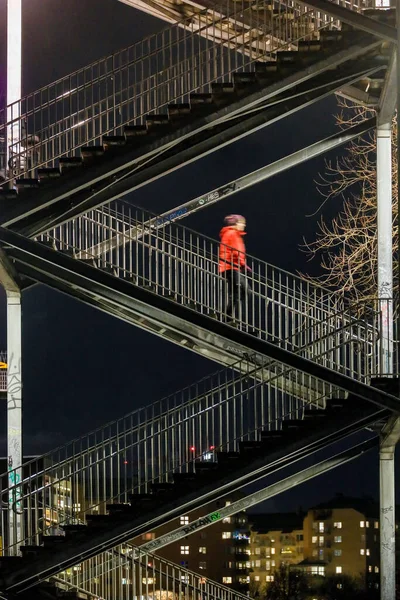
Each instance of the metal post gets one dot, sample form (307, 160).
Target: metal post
(14, 86)
(389, 437)
(9, 281)
(385, 246)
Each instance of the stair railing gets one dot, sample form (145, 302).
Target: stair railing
(177, 262)
(112, 465)
(120, 89)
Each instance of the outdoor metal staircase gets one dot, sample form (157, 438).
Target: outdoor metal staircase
(162, 461)
(77, 168)
(164, 278)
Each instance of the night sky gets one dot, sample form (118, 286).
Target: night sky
(82, 368)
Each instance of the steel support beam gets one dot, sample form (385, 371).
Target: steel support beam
(385, 246)
(250, 500)
(121, 294)
(233, 187)
(9, 281)
(95, 187)
(390, 436)
(353, 18)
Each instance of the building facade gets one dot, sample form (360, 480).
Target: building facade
(275, 540)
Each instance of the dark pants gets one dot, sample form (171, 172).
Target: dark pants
(237, 291)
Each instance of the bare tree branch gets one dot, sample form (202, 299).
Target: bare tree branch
(347, 246)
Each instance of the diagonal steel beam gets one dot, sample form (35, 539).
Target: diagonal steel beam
(53, 208)
(130, 297)
(233, 187)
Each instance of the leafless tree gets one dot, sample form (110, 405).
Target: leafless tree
(347, 246)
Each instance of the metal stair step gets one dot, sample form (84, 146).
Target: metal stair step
(184, 478)
(200, 99)
(177, 111)
(314, 413)
(113, 141)
(68, 163)
(203, 466)
(8, 194)
(73, 529)
(47, 174)
(52, 540)
(135, 499)
(245, 79)
(296, 424)
(27, 184)
(154, 121)
(133, 133)
(90, 153)
(162, 487)
(225, 458)
(309, 45)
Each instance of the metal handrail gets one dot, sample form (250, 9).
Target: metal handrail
(177, 262)
(116, 564)
(123, 88)
(238, 408)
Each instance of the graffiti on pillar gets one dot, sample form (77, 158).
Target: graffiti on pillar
(385, 290)
(14, 393)
(14, 383)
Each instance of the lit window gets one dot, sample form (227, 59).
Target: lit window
(185, 578)
(226, 520)
(321, 527)
(202, 581)
(272, 563)
(203, 550)
(184, 520)
(228, 503)
(337, 539)
(258, 563)
(227, 580)
(366, 523)
(269, 578)
(337, 552)
(376, 524)
(314, 539)
(77, 507)
(362, 551)
(272, 550)
(362, 524)
(184, 549)
(376, 569)
(126, 581)
(146, 580)
(202, 565)
(315, 552)
(338, 525)
(258, 551)
(338, 570)
(267, 565)
(321, 540)
(369, 568)
(257, 578)
(148, 536)
(226, 535)
(368, 552)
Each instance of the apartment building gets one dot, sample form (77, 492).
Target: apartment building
(337, 537)
(220, 552)
(276, 539)
(342, 536)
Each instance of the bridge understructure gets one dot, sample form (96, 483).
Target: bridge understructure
(301, 369)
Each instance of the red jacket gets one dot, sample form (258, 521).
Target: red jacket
(232, 251)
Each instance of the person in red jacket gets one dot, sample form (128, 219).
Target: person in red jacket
(232, 263)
